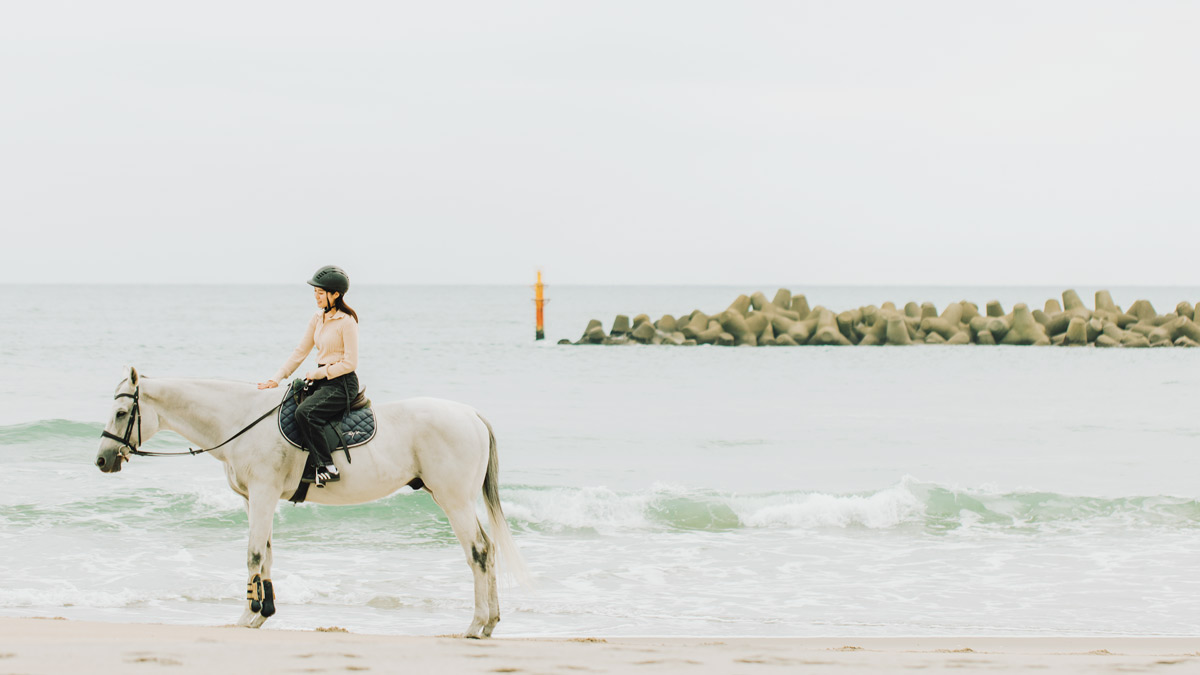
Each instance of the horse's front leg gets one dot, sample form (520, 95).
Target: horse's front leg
(260, 595)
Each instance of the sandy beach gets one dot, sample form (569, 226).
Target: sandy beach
(29, 646)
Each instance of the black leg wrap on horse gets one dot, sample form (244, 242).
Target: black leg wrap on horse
(254, 593)
(268, 601)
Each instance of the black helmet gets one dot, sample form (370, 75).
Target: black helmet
(331, 278)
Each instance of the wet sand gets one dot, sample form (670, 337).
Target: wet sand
(59, 646)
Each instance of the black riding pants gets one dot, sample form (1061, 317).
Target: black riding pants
(327, 404)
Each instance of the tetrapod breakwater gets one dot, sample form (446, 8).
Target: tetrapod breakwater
(787, 321)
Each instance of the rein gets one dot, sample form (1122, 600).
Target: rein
(136, 415)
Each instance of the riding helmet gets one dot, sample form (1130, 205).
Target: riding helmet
(331, 278)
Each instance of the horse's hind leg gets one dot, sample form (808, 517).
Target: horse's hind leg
(480, 557)
(260, 597)
(493, 590)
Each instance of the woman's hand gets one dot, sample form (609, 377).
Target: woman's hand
(269, 384)
(314, 375)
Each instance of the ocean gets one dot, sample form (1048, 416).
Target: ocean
(663, 491)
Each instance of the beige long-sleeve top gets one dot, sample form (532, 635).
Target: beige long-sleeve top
(336, 337)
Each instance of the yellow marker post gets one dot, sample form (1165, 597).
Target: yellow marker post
(540, 301)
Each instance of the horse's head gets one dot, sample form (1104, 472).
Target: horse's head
(132, 420)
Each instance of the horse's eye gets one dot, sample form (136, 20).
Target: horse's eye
(121, 413)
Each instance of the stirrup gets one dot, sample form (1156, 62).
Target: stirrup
(326, 474)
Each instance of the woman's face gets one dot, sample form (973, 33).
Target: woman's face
(324, 299)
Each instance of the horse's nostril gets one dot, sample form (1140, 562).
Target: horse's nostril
(100, 462)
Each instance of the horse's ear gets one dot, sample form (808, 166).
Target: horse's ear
(133, 376)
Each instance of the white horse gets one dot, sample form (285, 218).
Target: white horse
(444, 447)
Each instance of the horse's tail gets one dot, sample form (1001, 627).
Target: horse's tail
(500, 533)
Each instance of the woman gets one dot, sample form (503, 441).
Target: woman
(334, 331)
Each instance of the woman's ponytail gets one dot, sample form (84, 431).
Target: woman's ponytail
(340, 303)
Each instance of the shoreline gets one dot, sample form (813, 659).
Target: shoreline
(46, 645)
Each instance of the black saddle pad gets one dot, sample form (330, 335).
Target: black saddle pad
(358, 426)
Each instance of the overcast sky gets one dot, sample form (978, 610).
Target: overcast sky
(607, 142)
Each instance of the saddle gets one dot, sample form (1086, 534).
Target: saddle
(356, 427)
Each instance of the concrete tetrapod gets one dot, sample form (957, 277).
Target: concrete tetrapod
(710, 334)
(1058, 323)
(620, 325)
(593, 334)
(827, 333)
(869, 315)
(800, 306)
(897, 331)
(1024, 330)
(802, 331)
(767, 338)
(1135, 340)
(783, 299)
(695, 325)
(960, 338)
(877, 333)
(1143, 310)
(666, 324)
(780, 324)
(757, 322)
(846, 322)
(735, 325)
(1076, 333)
(969, 311)
(1190, 330)
(953, 313)
(596, 335)
(1114, 332)
(994, 327)
(1071, 300)
(772, 309)
(1167, 332)
(644, 332)
(940, 326)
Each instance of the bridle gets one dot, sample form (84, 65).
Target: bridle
(135, 416)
